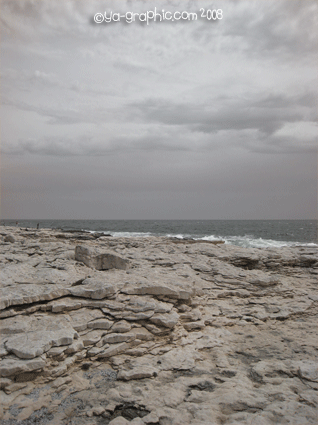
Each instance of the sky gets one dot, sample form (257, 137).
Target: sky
(183, 119)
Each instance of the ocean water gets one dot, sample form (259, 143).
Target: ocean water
(245, 233)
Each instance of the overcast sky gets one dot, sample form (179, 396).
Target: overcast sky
(172, 120)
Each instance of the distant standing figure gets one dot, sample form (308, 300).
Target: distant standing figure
(16, 223)
(37, 226)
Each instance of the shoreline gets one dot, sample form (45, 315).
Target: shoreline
(244, 233)
(155, 330)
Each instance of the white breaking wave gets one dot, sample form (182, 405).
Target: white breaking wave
(129, 234)
(249, 241)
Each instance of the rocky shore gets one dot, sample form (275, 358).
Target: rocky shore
(155, 331)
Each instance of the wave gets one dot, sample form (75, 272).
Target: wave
(247, 241)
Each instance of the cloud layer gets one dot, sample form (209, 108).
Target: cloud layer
(159, 101)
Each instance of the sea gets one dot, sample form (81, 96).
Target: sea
(244, 233)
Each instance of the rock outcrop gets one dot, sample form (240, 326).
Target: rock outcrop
(150, 331)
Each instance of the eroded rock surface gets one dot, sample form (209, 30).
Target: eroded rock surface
(150, 331)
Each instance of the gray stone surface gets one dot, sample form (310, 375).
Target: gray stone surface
(192, 333)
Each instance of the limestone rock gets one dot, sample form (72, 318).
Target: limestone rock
(81, 318)
(119, 421)
(100, 260)
(91, 338)
(309, 370)
(137, 373)
(11, 366)
(40, 334)
(121, 327)
(188, 320)
(167, 320)
(175, 290)
(189, 326)
(9, 238)
(93, 288)
(114, 350)
(100, 324)
(115, 338)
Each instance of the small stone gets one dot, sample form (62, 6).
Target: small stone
(114, 350)
(100, 324)
(91, 338)
(116, 338)
(119, 421)
(56, 351)
(137, 373)
(189, 326)
(308, 370)
(9, 238)
(167, 320)
(121, 327)
(97, 411)
(75, 347)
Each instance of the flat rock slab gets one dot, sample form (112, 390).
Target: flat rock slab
(98, 260)
(173, 290)
(40, 335)
(94, 289)
(31, 293)
(137, 373)
(12, 366)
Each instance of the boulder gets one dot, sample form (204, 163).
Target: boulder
(9, 238)
(95, 259)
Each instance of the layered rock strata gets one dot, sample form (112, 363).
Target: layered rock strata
(150, 331)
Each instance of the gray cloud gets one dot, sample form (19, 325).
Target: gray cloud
(159, 119)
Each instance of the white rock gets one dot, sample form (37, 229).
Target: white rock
(11, 366)
(100, 324)
(121, 327)
(43, 333)
(168, 320)
(119, 421)
(93, 288)
(137, 373)
(91, 338)
(114, 349)
(80, 318)
(308, 369)
(189, 326)
(115, 338)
